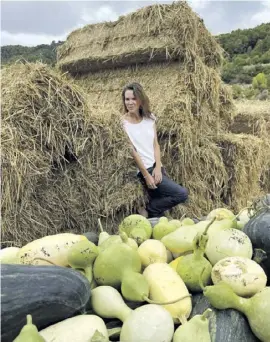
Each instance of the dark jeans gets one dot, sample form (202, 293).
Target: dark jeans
(167, 195)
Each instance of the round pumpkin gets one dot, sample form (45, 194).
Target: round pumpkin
(258, 230)
(224, 325)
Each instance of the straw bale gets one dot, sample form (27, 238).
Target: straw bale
(245, 158)
(42, 129)
(252, 117)
(152, 34)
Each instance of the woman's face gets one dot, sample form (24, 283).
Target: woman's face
(131, 102)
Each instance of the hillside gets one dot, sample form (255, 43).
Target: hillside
(247, 54)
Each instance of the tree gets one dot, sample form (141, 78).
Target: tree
(259, 81)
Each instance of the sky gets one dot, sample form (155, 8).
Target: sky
(31, 23)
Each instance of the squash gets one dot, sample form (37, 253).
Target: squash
(80, 328)
(49, 250)
(136, 227)
(190, 266)
(180, 241)
(226, 243)
(258, 230)
(116, 239)
(107, 302)
(48, 293)
(29, 332)
(165, 285)
(196, 327)
(9, 255)
(81, 257)
(224, 325)
(113, 262)
(151, 251)
(148, 323)
(220, 214)
(244, 276)
(256, 308)
(164, 227)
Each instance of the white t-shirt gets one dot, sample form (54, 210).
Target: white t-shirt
(142, 137)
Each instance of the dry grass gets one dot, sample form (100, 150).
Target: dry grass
(244, 158)
(152, 34)
(252, 117)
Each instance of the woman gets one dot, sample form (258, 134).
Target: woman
(139, 124)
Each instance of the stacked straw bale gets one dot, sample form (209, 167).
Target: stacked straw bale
(66, 158)
(253, 118)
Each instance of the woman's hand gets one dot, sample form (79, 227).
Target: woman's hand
(150, 182)
(157, 174)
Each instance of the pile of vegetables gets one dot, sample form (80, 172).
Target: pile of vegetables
(175, 281)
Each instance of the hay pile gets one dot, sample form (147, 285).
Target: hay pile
(252, 117)
(65, 155)
(153, 34)
(43, 128)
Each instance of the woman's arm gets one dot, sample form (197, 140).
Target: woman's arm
(157, 174)
(157, 150)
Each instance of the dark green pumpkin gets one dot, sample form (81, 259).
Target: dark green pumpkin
(49, 293)
(258, 230)
(224, 325)
(92, 236)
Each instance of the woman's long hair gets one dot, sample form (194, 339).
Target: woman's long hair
(139, 94)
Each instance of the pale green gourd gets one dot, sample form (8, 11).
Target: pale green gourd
(148, 323)
(190, 266)
(29, 332)
(112, 263)
(107, 302)
(162, 228)
(80, 328)
(116, 239)
(136, 227)
(256, 308)
(8, 255)
(195, 329)
(81, 257)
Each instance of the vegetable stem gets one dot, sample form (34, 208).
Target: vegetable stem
(28, 319)
(206, 314)
(165, 303)
(100, 226)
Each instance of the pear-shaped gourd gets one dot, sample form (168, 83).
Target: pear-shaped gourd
(256, 308)
(114, 262)
(29, 332)
(136, 227)
(190, 266)
(107, 302)
(194, 329)
(81, 257)
(116, 239)
(162, 228)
